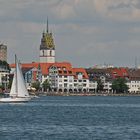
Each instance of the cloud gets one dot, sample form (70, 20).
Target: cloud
(119, 10)
(123, 10)
(85, 31)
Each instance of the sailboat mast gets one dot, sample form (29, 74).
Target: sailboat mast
(16, 73)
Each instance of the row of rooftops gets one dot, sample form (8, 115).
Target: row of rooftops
(112, 73)
(66, 69)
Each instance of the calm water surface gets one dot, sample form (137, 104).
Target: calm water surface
(71, 118)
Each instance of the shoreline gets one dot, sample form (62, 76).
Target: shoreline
(83, 94)
(77, 94)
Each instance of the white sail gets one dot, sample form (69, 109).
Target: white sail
(13, 87)
(18, 88)
(21, 88)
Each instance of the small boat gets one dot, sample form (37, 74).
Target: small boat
(18, 91)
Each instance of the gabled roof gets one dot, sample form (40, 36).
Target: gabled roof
(119, 72)
(134, 74)
(64, 68)
(45, 66)
(80, 70)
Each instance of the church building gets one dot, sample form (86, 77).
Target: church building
(47, 47)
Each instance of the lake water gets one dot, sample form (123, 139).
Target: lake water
(72, 118)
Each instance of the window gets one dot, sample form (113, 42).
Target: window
(70, 72)
(50, 53)
(70, 86)
(60, 71)
(75, 85)
(65, 85)
(65, 72)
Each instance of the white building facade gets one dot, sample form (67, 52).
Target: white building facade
(67, 79)
(134, 86)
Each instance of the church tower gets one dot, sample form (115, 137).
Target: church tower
(47, 47)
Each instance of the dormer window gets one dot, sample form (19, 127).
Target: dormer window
(65, 71)
(64, 68)
(70, 72)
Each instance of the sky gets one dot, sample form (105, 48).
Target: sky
(86, 32)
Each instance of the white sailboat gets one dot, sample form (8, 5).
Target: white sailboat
(18, 91)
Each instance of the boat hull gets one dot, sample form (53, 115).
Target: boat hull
(14, 100)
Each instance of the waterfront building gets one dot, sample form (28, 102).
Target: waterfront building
(3, 52)
(93, 86)
(107, 86)
(106, 76)
(4, 77)
(31, 75)
(81, 80)
(61, 76)
(64, 78)
(102, 75)
(95, 74)
(134, 86)
(134, 80)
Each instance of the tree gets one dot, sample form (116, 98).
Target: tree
(10, 83)
(46, 85)
(1, 87)
(119, 85)
(100, 85)
(36, 85)
(10, 78)
(5, 65)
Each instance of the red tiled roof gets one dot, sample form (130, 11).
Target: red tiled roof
(119, 72)
(64, 68)
(134, 74)
(45, 66)
(80, 70)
